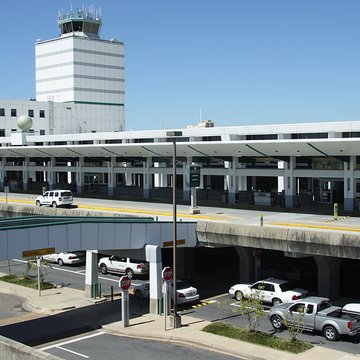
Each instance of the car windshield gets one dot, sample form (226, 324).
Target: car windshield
(287, 286)
(135, 261)
(66, 193)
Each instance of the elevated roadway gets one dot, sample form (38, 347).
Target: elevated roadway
(325, 237)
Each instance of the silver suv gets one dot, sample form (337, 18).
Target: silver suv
(55, 198)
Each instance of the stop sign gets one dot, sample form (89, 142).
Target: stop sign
(167, 273)
(124, 282)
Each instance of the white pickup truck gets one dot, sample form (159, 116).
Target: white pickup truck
(317, 313)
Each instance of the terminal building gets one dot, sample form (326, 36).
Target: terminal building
(286, 165)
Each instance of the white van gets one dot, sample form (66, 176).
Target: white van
(55, 198)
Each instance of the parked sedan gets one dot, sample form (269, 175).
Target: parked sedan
(186, 293)
(68, 258)
(273, 291)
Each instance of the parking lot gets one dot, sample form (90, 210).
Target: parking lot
(218, 307)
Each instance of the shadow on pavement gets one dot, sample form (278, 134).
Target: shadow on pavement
(70, 323)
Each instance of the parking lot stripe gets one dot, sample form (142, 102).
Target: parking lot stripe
(73, 340)
(73, 352)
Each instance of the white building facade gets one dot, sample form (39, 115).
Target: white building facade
(284, 165)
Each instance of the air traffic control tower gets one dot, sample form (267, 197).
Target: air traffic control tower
(79, 66)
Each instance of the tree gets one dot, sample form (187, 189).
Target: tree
(252, 308)
(296, 325)
(31, 265)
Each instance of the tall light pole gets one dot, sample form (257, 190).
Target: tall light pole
(176, 318)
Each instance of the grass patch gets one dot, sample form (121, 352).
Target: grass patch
(259, 338)
(26, 281)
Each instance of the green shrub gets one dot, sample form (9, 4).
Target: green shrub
(26, 281)
(259, 338)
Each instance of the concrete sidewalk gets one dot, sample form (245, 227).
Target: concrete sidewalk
(153, 326)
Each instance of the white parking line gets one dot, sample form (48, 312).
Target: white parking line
(72, 352)
(18, 260)
(67, 270)
(80, 272)
(73, 340)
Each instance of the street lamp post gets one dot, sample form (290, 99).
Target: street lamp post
(176, 317)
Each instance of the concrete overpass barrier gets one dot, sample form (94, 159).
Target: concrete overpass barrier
(340, 244)
(10, 349)
(49, 211)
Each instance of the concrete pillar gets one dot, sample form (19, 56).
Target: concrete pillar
(147, 183)
(247, 264)
(233, 180)
(290, 183)
(51, 173)
(242, 180)
(161, 179)
(91, 276)
(281, 185)
(153, 256)
(2, 173)
(328, 276)
(128, 176)
(79, 176)
(350, 184)
(25, 174)
(111, 176)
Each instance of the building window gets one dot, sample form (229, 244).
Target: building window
(31, 113)
(2, 132)
(42, 132)
(13, 112)
(42, 113)
(2, 112)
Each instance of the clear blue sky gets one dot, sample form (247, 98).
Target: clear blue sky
(240, 62)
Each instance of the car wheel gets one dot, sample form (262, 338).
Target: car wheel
(276, 301)
(53, 204)
(38, 203)
(330, 333)
(129, 273)
(276, 322)
(239, 295)
(60, 262)
(103, 268)
(138, 294)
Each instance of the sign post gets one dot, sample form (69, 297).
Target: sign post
(194, 181)
(124, 284)
(167, 275)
